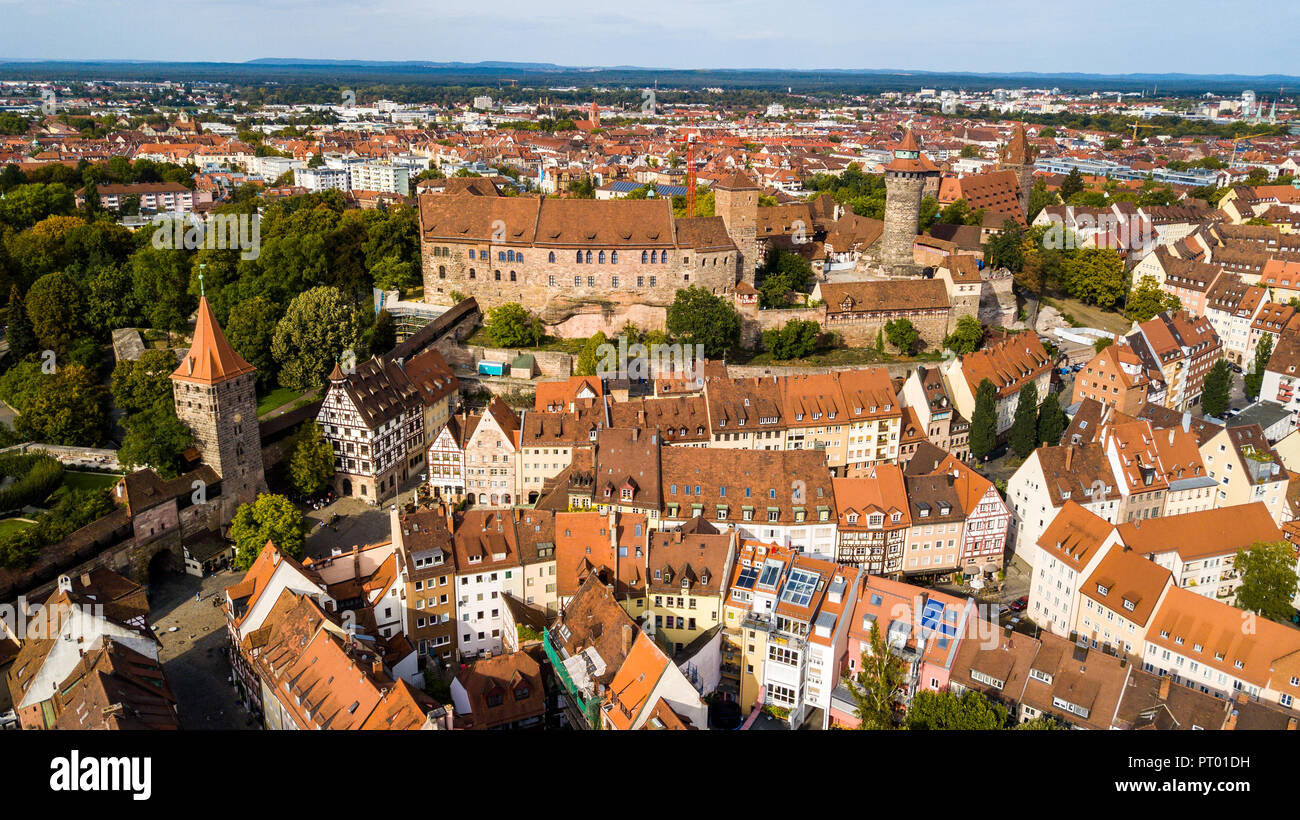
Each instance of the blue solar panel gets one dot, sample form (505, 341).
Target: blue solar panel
(931, 614)
(747, 578)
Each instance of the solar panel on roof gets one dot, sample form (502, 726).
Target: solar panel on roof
(771, 571)
(931, 614)
(747, 578)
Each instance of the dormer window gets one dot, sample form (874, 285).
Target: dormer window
(1103, 590)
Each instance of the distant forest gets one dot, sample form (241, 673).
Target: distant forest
(288, 81)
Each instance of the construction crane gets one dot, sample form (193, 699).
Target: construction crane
(689, 139)
(1233, 162)
(1136, 125)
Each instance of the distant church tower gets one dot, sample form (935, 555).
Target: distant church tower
(215, 397)
(735, 199)
(906, 177)
(1017, 156)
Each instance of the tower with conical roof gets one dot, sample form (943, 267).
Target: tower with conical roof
(735, 199)
(905, 179)
(1017, 156)
(215, 396)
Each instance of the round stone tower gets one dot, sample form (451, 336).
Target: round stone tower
(906, 177)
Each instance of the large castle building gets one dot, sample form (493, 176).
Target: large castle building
(215, 396)
(581, 265)
(906, 178)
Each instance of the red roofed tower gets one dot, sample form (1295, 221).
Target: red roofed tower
(1017, 156)
(905, 179)
(214, 393)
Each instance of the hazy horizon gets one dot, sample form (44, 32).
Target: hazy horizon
(1105, 37)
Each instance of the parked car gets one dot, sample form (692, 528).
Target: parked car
(1020, 604)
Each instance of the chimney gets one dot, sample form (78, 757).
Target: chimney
(1069, 456)
(377, 666)
(1241, 697)
(1164, 688)
(85, 579)
(1231, 723)
(1290, 724)
(627, 639)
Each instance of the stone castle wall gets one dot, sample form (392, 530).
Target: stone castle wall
(559, 290)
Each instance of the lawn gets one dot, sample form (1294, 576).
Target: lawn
(1089, 315)
(89, 481)
(9, 526)
(276, 398)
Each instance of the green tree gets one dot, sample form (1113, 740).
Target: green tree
(271, 518)
(796, 339)
(696, 316)
(145, 383)
(1071, 185)
(1039, 198)
(382, 334)
(155, 438)
(1006, 249)
(1216, 390)
(319, 328)
(251, 332)
(392, 273)
(966, 337)
(1254, 380)
(512, 325)
(311, 467)
(1268, 579)
(877, 684)
(21, 336)
(70, 407)
(1102, 343)
(1096, 276)
(1042, 723)
(56, 310)
(783, 272)
(1147, 299)
(587, 358)
(1024, 426)
(160, 280)
(970, 711)
(984, 421)
(1052, 421)
(902, 335)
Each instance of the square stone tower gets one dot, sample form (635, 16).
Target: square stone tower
(735, 199)
(1017, 156)
(214, 393)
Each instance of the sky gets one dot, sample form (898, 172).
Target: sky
(1094, 36)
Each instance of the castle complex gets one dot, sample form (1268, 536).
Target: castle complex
(594, 265)
(582, 265)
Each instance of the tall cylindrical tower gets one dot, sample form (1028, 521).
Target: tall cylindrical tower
(905, 180)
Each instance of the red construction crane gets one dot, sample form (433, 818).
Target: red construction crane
(689, 139)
